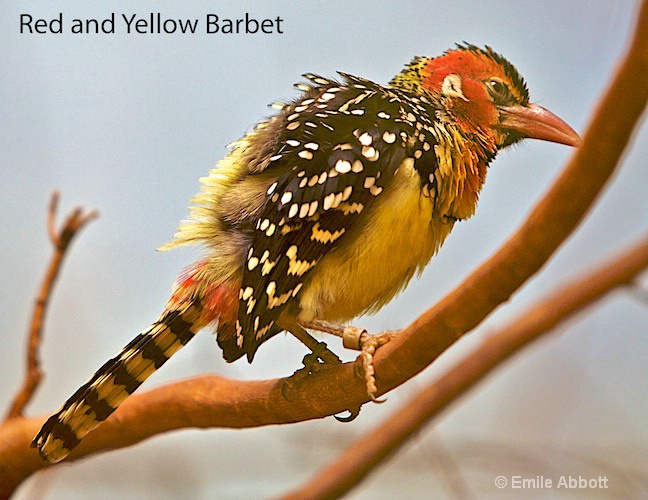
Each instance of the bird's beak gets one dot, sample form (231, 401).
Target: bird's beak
(536, 122)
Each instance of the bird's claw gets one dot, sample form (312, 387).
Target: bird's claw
(365, 368)
(321, 352)
(313, 362)
(352, 415)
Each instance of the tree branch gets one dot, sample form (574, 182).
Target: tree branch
(61, 241)
(362, 457)
(213, 401)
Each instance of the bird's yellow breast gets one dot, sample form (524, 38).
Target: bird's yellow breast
(398, 239)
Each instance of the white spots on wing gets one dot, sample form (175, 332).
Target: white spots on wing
(294, 208)
(351, 208)
(313, 180)
(296, 267)
(369, 181)
(357, 166)
(322, 178)
(292, 142)
(299, 267)
(375, 190)
(262, 331)
(267, 267)
(383, 115)
(276, 157)
(327, 96)
(306, 155)
(365, 139)
(291, 253)
(252, 263)
(343, 166)
(389, 137)
(325, 236)
(370, 153)
(272, 188)
(293, 117)
(292, 126)
(247, 293)
(312, 146)
(312, 208)
(286, 197)
(328, 201)
(344, 146)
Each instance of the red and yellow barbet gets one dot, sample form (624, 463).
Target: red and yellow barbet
(325, 212)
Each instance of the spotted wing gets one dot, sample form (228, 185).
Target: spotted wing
(338, 151)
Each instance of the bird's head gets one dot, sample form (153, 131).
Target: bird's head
(483, 94)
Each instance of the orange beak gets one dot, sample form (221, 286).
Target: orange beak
(536, 122)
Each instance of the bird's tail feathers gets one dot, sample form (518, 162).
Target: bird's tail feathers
(117, 379)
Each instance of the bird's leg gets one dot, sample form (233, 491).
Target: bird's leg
(319, 349)
(359, 340)
(311, 361)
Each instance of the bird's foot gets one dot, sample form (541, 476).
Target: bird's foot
(367, 345)
(320, 358)
(359, 340)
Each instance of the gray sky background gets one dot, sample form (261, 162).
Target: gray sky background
(128, 123)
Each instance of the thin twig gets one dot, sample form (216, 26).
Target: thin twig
(61, 241)
(363, 456)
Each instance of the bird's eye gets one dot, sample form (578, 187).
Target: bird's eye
(499, 91)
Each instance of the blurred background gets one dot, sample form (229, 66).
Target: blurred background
(127, 124)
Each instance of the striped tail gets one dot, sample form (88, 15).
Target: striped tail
(93, 402)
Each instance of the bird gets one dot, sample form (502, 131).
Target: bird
(325, 211)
